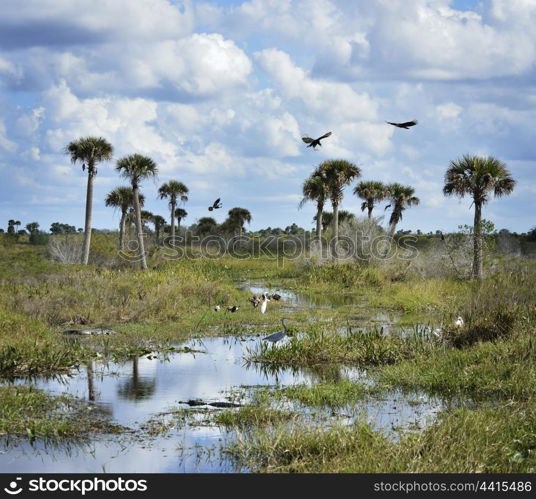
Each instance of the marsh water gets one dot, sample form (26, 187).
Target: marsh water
(148, 393)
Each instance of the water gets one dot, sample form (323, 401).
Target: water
(136, 392)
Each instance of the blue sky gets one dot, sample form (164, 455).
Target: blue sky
(219, 93)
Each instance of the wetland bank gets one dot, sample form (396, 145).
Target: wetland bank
(360, 385)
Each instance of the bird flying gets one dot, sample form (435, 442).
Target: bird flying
(405, 125)
(215, 205)
(315, 142)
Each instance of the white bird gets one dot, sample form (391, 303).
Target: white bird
(459, 321)
(217, 308)
(265, 301)
(275, 337)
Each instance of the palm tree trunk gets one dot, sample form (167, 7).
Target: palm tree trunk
(335, 228)
(319, 211)
(477, 241)
(172, 203)
(89, 215)
(370, 207)
(139, 227)
(157, 235)
(122, 224)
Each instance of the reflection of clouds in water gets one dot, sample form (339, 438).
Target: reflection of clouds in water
(135, 392)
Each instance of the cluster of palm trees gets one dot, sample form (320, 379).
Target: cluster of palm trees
(471, 175)
(327, 183)
(90, 151)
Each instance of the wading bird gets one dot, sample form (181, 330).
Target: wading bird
(275, 297)
(459, 321)
(215, 205)
(217, 308)
(265, 301)
(315, 142)
(275, 337)
(405, 125)
(234, 308)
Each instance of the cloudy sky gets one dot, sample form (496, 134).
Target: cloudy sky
(219, 93)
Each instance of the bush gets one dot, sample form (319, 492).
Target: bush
(39, 238)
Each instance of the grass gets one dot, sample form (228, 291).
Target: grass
(505, 369)
(252, 416)
(491, 359)
(492, 440)
(328, 394)
(324, 344)
(29, 412)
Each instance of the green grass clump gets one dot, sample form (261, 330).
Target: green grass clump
(321, 345)
(29, 412)
(251, 415)
(491, 369)
(28, 347)
(330, 394)
(493, 440)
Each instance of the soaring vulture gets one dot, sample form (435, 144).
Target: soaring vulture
(405, 125)
(315, 142)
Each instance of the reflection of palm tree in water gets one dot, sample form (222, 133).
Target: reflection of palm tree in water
(90, 381)
(136, 388)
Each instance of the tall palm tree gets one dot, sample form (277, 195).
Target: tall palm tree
(314, 189)
(402, 197)
(90, 151)
(337, 174)
(137, 168)
(372, 192)
(236, 219)
(122, 198)
(478, 176)
(174, 191)
(159, 222)
(180, 214)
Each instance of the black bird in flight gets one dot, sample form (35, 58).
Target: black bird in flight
(405, 125)
(315, 142)
(215, 205)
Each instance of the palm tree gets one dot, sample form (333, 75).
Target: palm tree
(173, 190)
(89, 151)
(159, 222)
(477, 177)
(337, 174)
(136, 168)
(402, 197)
(344, 216)
(205, 225)
(314, 189)
(180, 214)
(371, 192)
(123, 198)
(32, 227)
(236, 219)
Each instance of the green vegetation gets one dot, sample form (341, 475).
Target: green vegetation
(26, 411)
(489, 440)
(331, 394)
